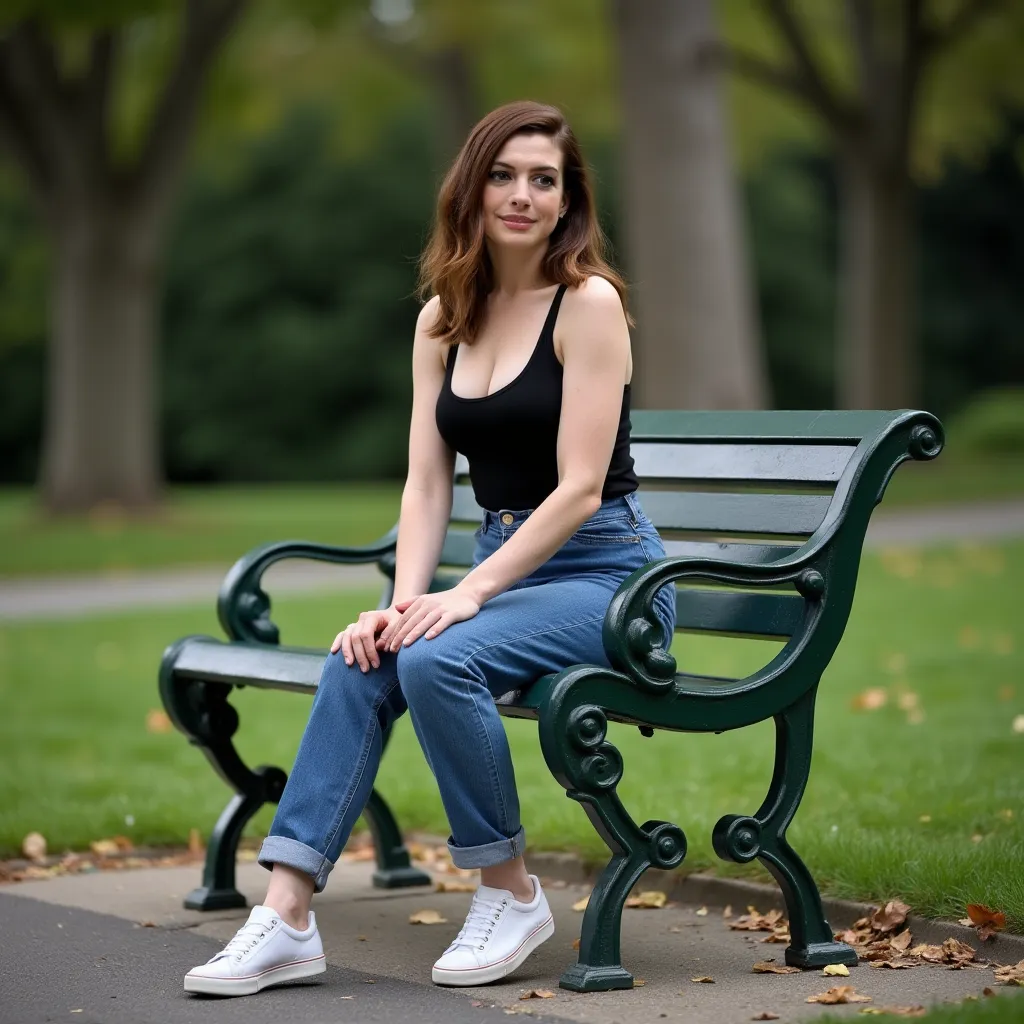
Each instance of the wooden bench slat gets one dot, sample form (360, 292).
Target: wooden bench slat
(278, 668)
(464, 506)
(800, 426)
(764, 616)
(776, 463)
(458, 548)
(782, 514)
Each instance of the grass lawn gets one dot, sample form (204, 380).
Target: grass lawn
(922, 798)
(1008, 1008)
(217, 524)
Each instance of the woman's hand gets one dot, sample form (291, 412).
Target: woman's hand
(429, 614)
(357, 640)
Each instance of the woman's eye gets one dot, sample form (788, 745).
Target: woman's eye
(546, 180)
(498, 175)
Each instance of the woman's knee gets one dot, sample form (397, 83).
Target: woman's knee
(426, 665)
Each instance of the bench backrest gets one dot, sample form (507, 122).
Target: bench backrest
(741, 486)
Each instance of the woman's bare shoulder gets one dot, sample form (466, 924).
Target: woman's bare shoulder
(595, 293)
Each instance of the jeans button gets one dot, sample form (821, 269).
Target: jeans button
(508, 519)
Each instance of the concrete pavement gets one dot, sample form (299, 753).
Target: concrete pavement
(115, 946)
(53, 597)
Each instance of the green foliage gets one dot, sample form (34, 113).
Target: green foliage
(991, 422)
(289, 315)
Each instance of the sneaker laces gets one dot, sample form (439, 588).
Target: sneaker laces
(247, 937)
(483, 915)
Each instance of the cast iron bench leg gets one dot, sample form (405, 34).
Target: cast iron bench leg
(741, 838)
(218, 890)
(590, 769)
(394, 870)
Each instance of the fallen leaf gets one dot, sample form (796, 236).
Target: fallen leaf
(765, 1015)
(427, 917)
(476, 1003)
(901, 942)
(110, 847)
(361, 938)
(454, 887)
(1011, 974)
(575, 943)
(986, 920)
(539, 993)
(580, 905)
(977, 837)
(752, 921)
(836, 971)
(839, 994)
(728, 910)
(924, 818)
(157, 721)
(908, 700)
(870, 700)
(1018, 724)
(1006, 814)
(33, 846)
(889, 917)
(147, 924)
(701, 912)
(704, 979)
(1006, 692)
(767, 967)
(915, 716)
(639, 982)
(652, 899)
(987, 992)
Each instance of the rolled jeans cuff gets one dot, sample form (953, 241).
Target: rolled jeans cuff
(489, 854)
(293, 854)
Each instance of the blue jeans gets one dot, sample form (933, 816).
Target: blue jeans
(546, 622)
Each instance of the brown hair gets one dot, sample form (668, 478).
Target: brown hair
(455, 265)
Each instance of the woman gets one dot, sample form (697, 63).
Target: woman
(521, 361)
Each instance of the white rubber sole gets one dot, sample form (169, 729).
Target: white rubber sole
(252, 984)
(495, 972)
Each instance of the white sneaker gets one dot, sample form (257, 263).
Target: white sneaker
(265, 951)
(499, 934)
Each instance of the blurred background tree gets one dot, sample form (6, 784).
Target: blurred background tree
(104, 199)
(285, 276)
(894, 83)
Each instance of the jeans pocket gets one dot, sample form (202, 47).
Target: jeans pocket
(606, 531)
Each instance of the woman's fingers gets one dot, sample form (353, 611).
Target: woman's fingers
(422, 624)
(339, 642)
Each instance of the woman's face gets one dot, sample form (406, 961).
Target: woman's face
(524, 193)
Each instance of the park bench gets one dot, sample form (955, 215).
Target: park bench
(763, 515)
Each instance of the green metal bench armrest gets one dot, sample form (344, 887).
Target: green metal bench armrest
(632, 639)
(242, 605)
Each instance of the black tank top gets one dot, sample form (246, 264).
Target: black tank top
(510, 436)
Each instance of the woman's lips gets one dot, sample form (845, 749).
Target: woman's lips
(516, 224)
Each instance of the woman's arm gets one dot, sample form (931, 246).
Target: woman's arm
(427, 496)
(595, 357)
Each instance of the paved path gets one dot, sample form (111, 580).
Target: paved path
(75, 943)
(72, 596)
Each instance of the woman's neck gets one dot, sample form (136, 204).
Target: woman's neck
(517, 271)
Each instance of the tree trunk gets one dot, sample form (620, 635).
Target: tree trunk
(697, 341)
(878, 359)
(100, 438)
